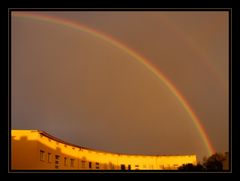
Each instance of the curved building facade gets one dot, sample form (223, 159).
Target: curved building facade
(37, 150)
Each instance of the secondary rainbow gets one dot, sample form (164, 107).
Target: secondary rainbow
(135, 55)
(189, 40)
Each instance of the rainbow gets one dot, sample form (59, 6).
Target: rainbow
(63, 22)
(190, 41)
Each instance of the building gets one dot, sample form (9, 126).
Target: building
(37, 150)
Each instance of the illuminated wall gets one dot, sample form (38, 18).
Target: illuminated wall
(37, 150)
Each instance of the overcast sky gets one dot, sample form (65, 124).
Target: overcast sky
(86, 91)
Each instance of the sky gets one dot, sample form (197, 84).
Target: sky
(85, 90)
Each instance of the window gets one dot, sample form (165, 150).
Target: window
(105, 166)
(97, 165)
(90, 165)
(111, 166)
(72, 162)
(83, 163)
(123, 167)
(168, 166)
(57, 159)
(49, 157)
(42, 155)
(65, 161)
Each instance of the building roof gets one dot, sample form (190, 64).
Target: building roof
(43, 133)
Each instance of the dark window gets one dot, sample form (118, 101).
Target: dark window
(97, 165)
(90, 164)
(57, 159)
(168, 166)
(111, 166)
(49, 157)
(129, 167)
(123, 167)
(72, 162)
(83, 163)
(65, 161)
(42, 155)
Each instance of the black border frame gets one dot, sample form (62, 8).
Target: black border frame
(119, 9)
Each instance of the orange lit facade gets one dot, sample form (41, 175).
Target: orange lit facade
(37, 150)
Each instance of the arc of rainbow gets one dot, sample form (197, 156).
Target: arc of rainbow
(63, 22)
(190, 41)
